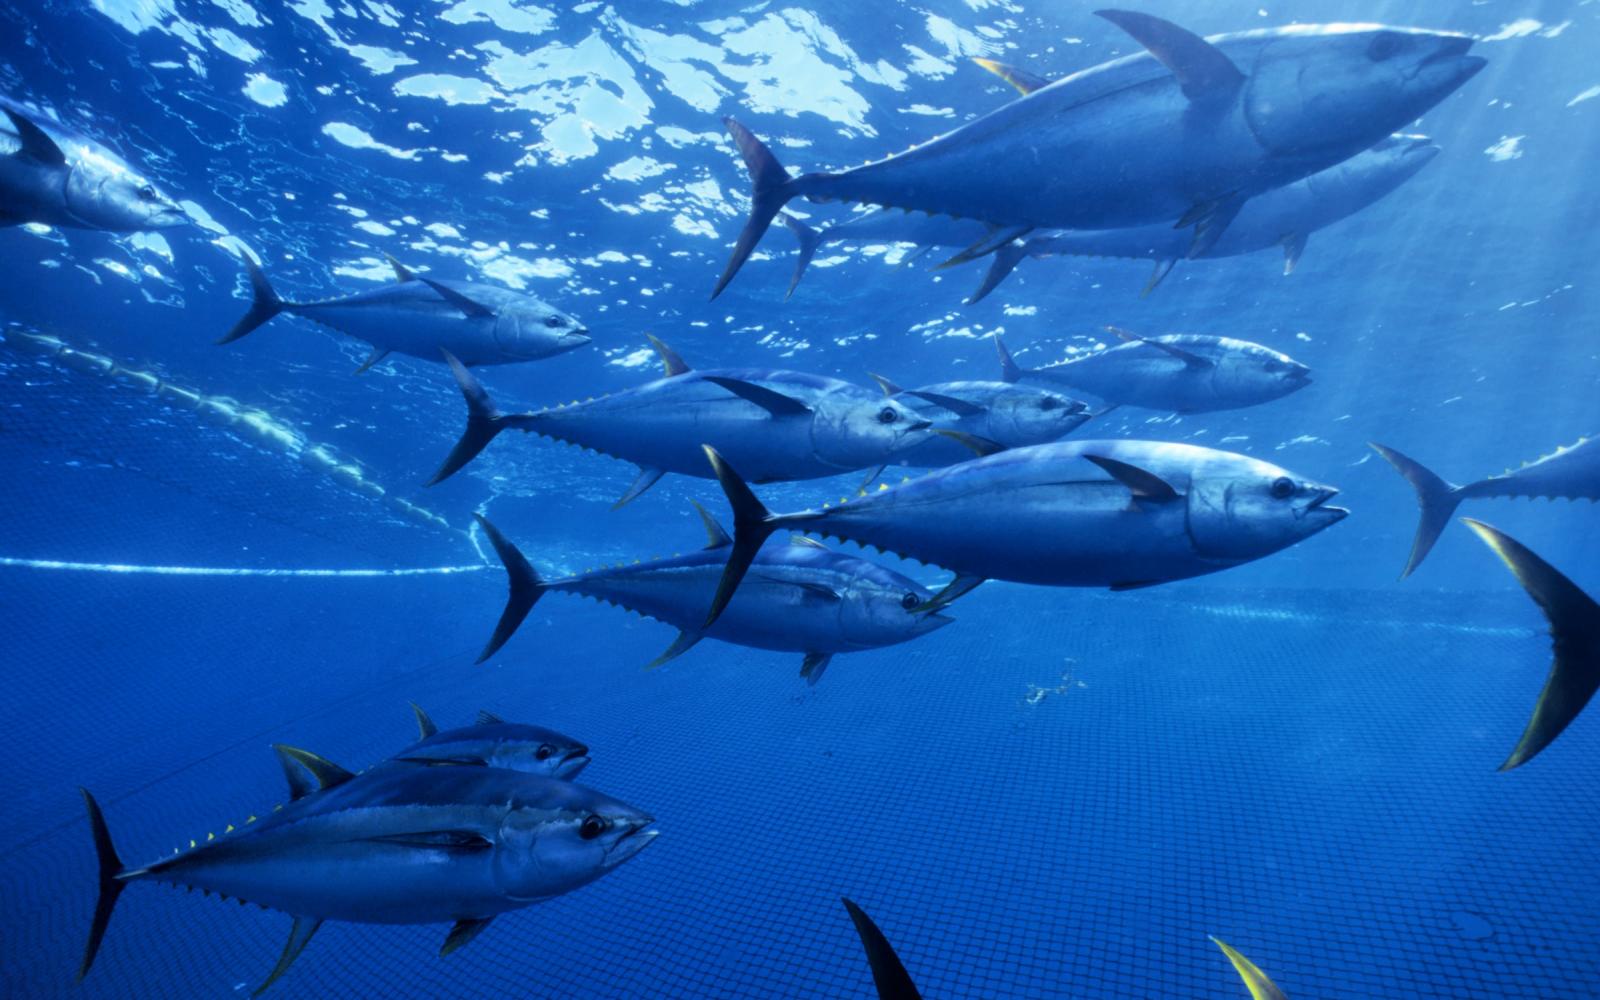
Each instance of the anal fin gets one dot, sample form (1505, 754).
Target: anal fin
(377, 355)
(646, 478)
(299, 936)
(462, 933)
(682, 644)
(813, 666)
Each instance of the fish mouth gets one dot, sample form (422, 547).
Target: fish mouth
(1321, 511)
(171, 218)
(573, 763)
(1450, 66)
(577, 338)
(920, 425)
(631, 841)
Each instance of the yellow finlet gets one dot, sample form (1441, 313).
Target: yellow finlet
(1256, 981)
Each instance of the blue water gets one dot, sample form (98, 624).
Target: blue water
(1060, 795)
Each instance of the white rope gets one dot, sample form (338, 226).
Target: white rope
(127, 568)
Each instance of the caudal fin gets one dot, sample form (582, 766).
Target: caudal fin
(526, 587)
(1009, 370)
(889, 974)
(771, 187)
(263, 307)
(1574, 632)
(1436, 498)
(809, 240)
(484, 421)
(753, 524)
(1005, 261)
(110, 885)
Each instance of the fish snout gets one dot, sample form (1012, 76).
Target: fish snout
(1319, 510)
(577, 336)
(636, 835)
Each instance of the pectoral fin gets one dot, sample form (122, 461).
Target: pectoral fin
(462, 933)
(1025, 82)
(810, 543)
(820, 591)
(437, 840)
(889, 975)
(468, 307)
(1004, 261)
(994, 239)
(1144, 484)
(1210, 220)
(1256, 981)
(959, 587)
(1204, 72)
(1293, 246)
(1574, 619)
(813, 666)
(36, 143)
(959, 407)
(646, 478)
(682, 644)
(377, 355)
(1189, 358)
(981, 446)
(871, 475)
(425, 726)
(299, 936)
(775, 403)
(671, 364)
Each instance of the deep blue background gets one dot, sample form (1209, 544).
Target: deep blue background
(1297, 755)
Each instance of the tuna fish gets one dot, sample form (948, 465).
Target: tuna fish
(1573, 473)
(1188, 130)
(422, 317)
(1183, 373)
(397, 845)
(1010, 416)
(1283, 217)
(1118, 514)
(781, 425)
(1574, 619)
(799, 597)
(494, 742)
(56, 176)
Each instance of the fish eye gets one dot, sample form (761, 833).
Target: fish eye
(554, 321)
(1384, 46)
(887, 415)
(593, 826)
(1282, 488)
(148, 192)
(1048, 403)
(910, 601)
(544, 751)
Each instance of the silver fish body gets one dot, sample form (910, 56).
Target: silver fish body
(55, 175)
(1181, 373)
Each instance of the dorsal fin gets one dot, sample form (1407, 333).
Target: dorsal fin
(670, 362)
(716, 536)
(401, 272)
(1204, 72)
(467, 306)
(1142, 482)
(425, 726)
(888, 387)
(489, 719)
(1025, 82)
(326, 772)
(1187, 357)
(981, 446)
(35, 142)
(889, 975)
(959, 407)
